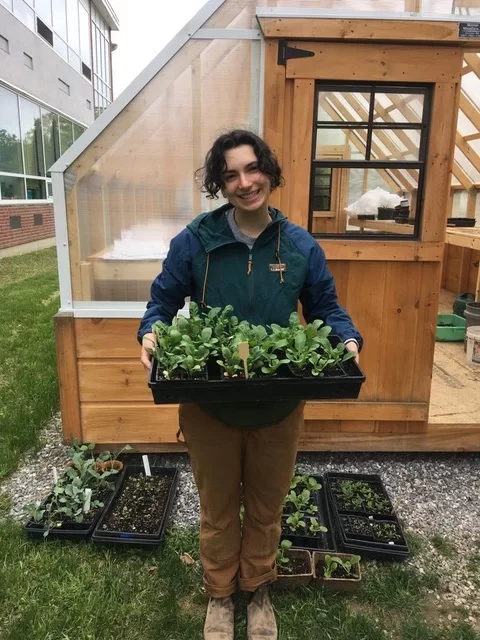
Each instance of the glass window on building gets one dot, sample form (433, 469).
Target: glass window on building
(31, 127)
(60, 47)
(10, 141)
(51, 138)
(36, 189)
(12, 188)
(84, 35)
(43, 9)
(60, 18)
(73, 29)
(74, 60)
(31, 140)
(77, 131)
(66, 134)
(24, 13)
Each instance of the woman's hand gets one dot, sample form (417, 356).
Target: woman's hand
(148, 345)
(353, 346)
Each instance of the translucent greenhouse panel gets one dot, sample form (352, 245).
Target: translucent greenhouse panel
(141, 190)
(240, 14)
(466, 165)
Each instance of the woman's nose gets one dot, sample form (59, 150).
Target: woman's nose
(245, 180)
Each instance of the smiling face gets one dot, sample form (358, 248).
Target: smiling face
(244, 185)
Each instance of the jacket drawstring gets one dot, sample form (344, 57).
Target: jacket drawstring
(277, 255)
(203, 304)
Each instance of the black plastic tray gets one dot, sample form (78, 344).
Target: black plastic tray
(75, 531)
(285, 386)
(322, 541)
(369, 548)
(131, 538)
(461, 222)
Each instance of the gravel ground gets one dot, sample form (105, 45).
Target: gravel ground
(433, 494)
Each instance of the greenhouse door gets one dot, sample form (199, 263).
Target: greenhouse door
(348, 119)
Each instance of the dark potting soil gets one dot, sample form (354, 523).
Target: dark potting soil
(307, 372)
(386, 532)
(139, 506)
(338, 573)
(296, 567)
(181, 375)
(356, 525)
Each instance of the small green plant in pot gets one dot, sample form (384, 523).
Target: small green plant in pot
(339, 572)
(230, 363)
(294, 567)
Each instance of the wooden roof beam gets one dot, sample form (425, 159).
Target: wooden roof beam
(402, 182)
(457, 170)
(394, 182)
(470, 110)
(467, 151)
(473, 62)
(383, 137)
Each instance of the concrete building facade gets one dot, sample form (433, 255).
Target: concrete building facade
(55, 79)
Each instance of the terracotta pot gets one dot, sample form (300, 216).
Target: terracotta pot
(292, 581)
(108, 465)
(335, 584)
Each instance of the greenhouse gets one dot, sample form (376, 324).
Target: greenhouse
(360, 100)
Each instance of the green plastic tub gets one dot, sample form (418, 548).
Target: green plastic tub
(450, 328)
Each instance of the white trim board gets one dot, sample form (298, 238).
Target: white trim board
(61, 234)
(293, 12)
(41, 103)
(106, 10)
(150, 71)
(106, 309)
(228, 34)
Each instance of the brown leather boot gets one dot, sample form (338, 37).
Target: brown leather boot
(219, 620)
(261, 623)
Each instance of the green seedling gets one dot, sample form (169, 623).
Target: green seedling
(333, 562)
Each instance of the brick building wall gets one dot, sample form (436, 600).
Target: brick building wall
(22, 223)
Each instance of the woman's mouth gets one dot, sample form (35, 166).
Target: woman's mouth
(250, 196)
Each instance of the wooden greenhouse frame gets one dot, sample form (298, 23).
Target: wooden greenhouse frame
(391, 287)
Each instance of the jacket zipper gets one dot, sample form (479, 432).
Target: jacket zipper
(250, 281)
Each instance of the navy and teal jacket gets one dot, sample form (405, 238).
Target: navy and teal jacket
(206, 263)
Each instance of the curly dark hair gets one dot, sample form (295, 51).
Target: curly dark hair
(215, 166)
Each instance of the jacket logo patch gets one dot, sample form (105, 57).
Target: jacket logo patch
(278, 267)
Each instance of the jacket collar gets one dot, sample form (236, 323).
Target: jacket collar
(213, 230)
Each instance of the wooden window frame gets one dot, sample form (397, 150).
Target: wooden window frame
(369, 126)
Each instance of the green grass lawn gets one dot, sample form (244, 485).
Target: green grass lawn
(52, 590)
(28, 380)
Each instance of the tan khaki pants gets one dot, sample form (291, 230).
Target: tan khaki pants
(229, 462)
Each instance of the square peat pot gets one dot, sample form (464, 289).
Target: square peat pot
(335, 584)
(343, 383)
(295, 579)
(153, 501)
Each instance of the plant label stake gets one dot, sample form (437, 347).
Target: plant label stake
(88, 497)
(146, 465)
(55, 475)
(244, 352)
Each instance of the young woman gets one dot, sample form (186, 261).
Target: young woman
(248, 255)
